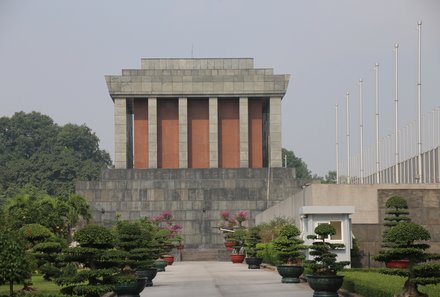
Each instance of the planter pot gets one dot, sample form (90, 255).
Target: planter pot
(253, 262)
(290, 273)
(160, 265)
(169, 259)
(237, 259)
(325, 285)
(397, 264)
(132, 289)
(149, 274)
(229, 245)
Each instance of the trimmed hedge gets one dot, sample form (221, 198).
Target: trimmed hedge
(374, 284)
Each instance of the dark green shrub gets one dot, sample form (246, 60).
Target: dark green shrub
(15, 265)
(267, 252)
(252, 238)
(324, 261)
(289, 248)
(137, 240)
(406, 242)
(269, 231)
(103, 263)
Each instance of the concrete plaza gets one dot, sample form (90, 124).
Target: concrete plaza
(221, 279)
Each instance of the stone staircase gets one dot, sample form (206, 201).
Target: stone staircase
(205, 254)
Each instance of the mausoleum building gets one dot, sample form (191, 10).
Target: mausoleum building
(197, 113)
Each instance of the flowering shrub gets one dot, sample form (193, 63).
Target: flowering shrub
(241, 216)
(165, 222)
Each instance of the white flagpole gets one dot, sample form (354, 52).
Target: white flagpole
(419, 103)
(396, 109)
(337, 143)
(361, 133)
(348, 135)
(376, 70)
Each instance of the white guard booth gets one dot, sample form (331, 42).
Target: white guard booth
(338, 216)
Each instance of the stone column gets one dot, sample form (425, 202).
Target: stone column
(120, 109)
(244, 132)
(213, 133)
(275, 131)
(152, 132)
(183, 133)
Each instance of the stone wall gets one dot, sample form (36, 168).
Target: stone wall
(369, 203)
(196, 196)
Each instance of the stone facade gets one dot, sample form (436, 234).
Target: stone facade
(228, 84)
(196, 196)
(369, 203)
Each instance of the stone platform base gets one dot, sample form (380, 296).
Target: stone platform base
(195, 196)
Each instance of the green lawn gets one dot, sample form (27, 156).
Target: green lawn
(374, 284)
(43, 286)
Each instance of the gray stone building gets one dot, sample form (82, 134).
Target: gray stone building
(195, 136)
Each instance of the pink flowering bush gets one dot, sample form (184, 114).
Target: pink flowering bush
(165, 222)
(241, 216)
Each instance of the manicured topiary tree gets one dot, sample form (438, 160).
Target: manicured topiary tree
(289, 248)
(396, 212)
(251, 239)
(406, 242)
(45, 247)
(15, 264)
(289, 251)
(102, 261)
(324, 261)
(136, 239)
(324, 279)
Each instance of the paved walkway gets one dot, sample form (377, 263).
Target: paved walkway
(221, 279)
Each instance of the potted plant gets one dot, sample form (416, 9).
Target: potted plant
(103, 266)
(135, 238)
(237, 255)
(406, 242)
(324, 279)
(169, 237)
(396, 212)
(226, 227)
(289, 250)
(251, 240)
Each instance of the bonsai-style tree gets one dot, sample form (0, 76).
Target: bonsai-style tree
(324, 261)
(288, 246)
(241, 216)
(406, 243)
(251, 239)
(133, 238)
(14, 261)
(238, 236)
(45, 247)
(396, 212)
(102, 262)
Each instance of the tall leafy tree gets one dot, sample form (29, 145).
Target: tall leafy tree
(36, 151)
(293, 161)
(14, 262)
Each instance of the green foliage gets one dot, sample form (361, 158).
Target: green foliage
(300, 166)
(252, 238)
(14, 262)
(137, 240)
(36, 151)
(44, 288)
(59, 215)
(324, 261)
(102, 263)
(44, 247)
(95, 237)
(374, 284)
(288, 246)
(270, 230)
(405, 242)
(267, 252)
(239, 237)
(397, 211)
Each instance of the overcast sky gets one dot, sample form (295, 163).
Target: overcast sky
(54, 55)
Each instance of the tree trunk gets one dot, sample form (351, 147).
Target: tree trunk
(11, 288)
(410, 290)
